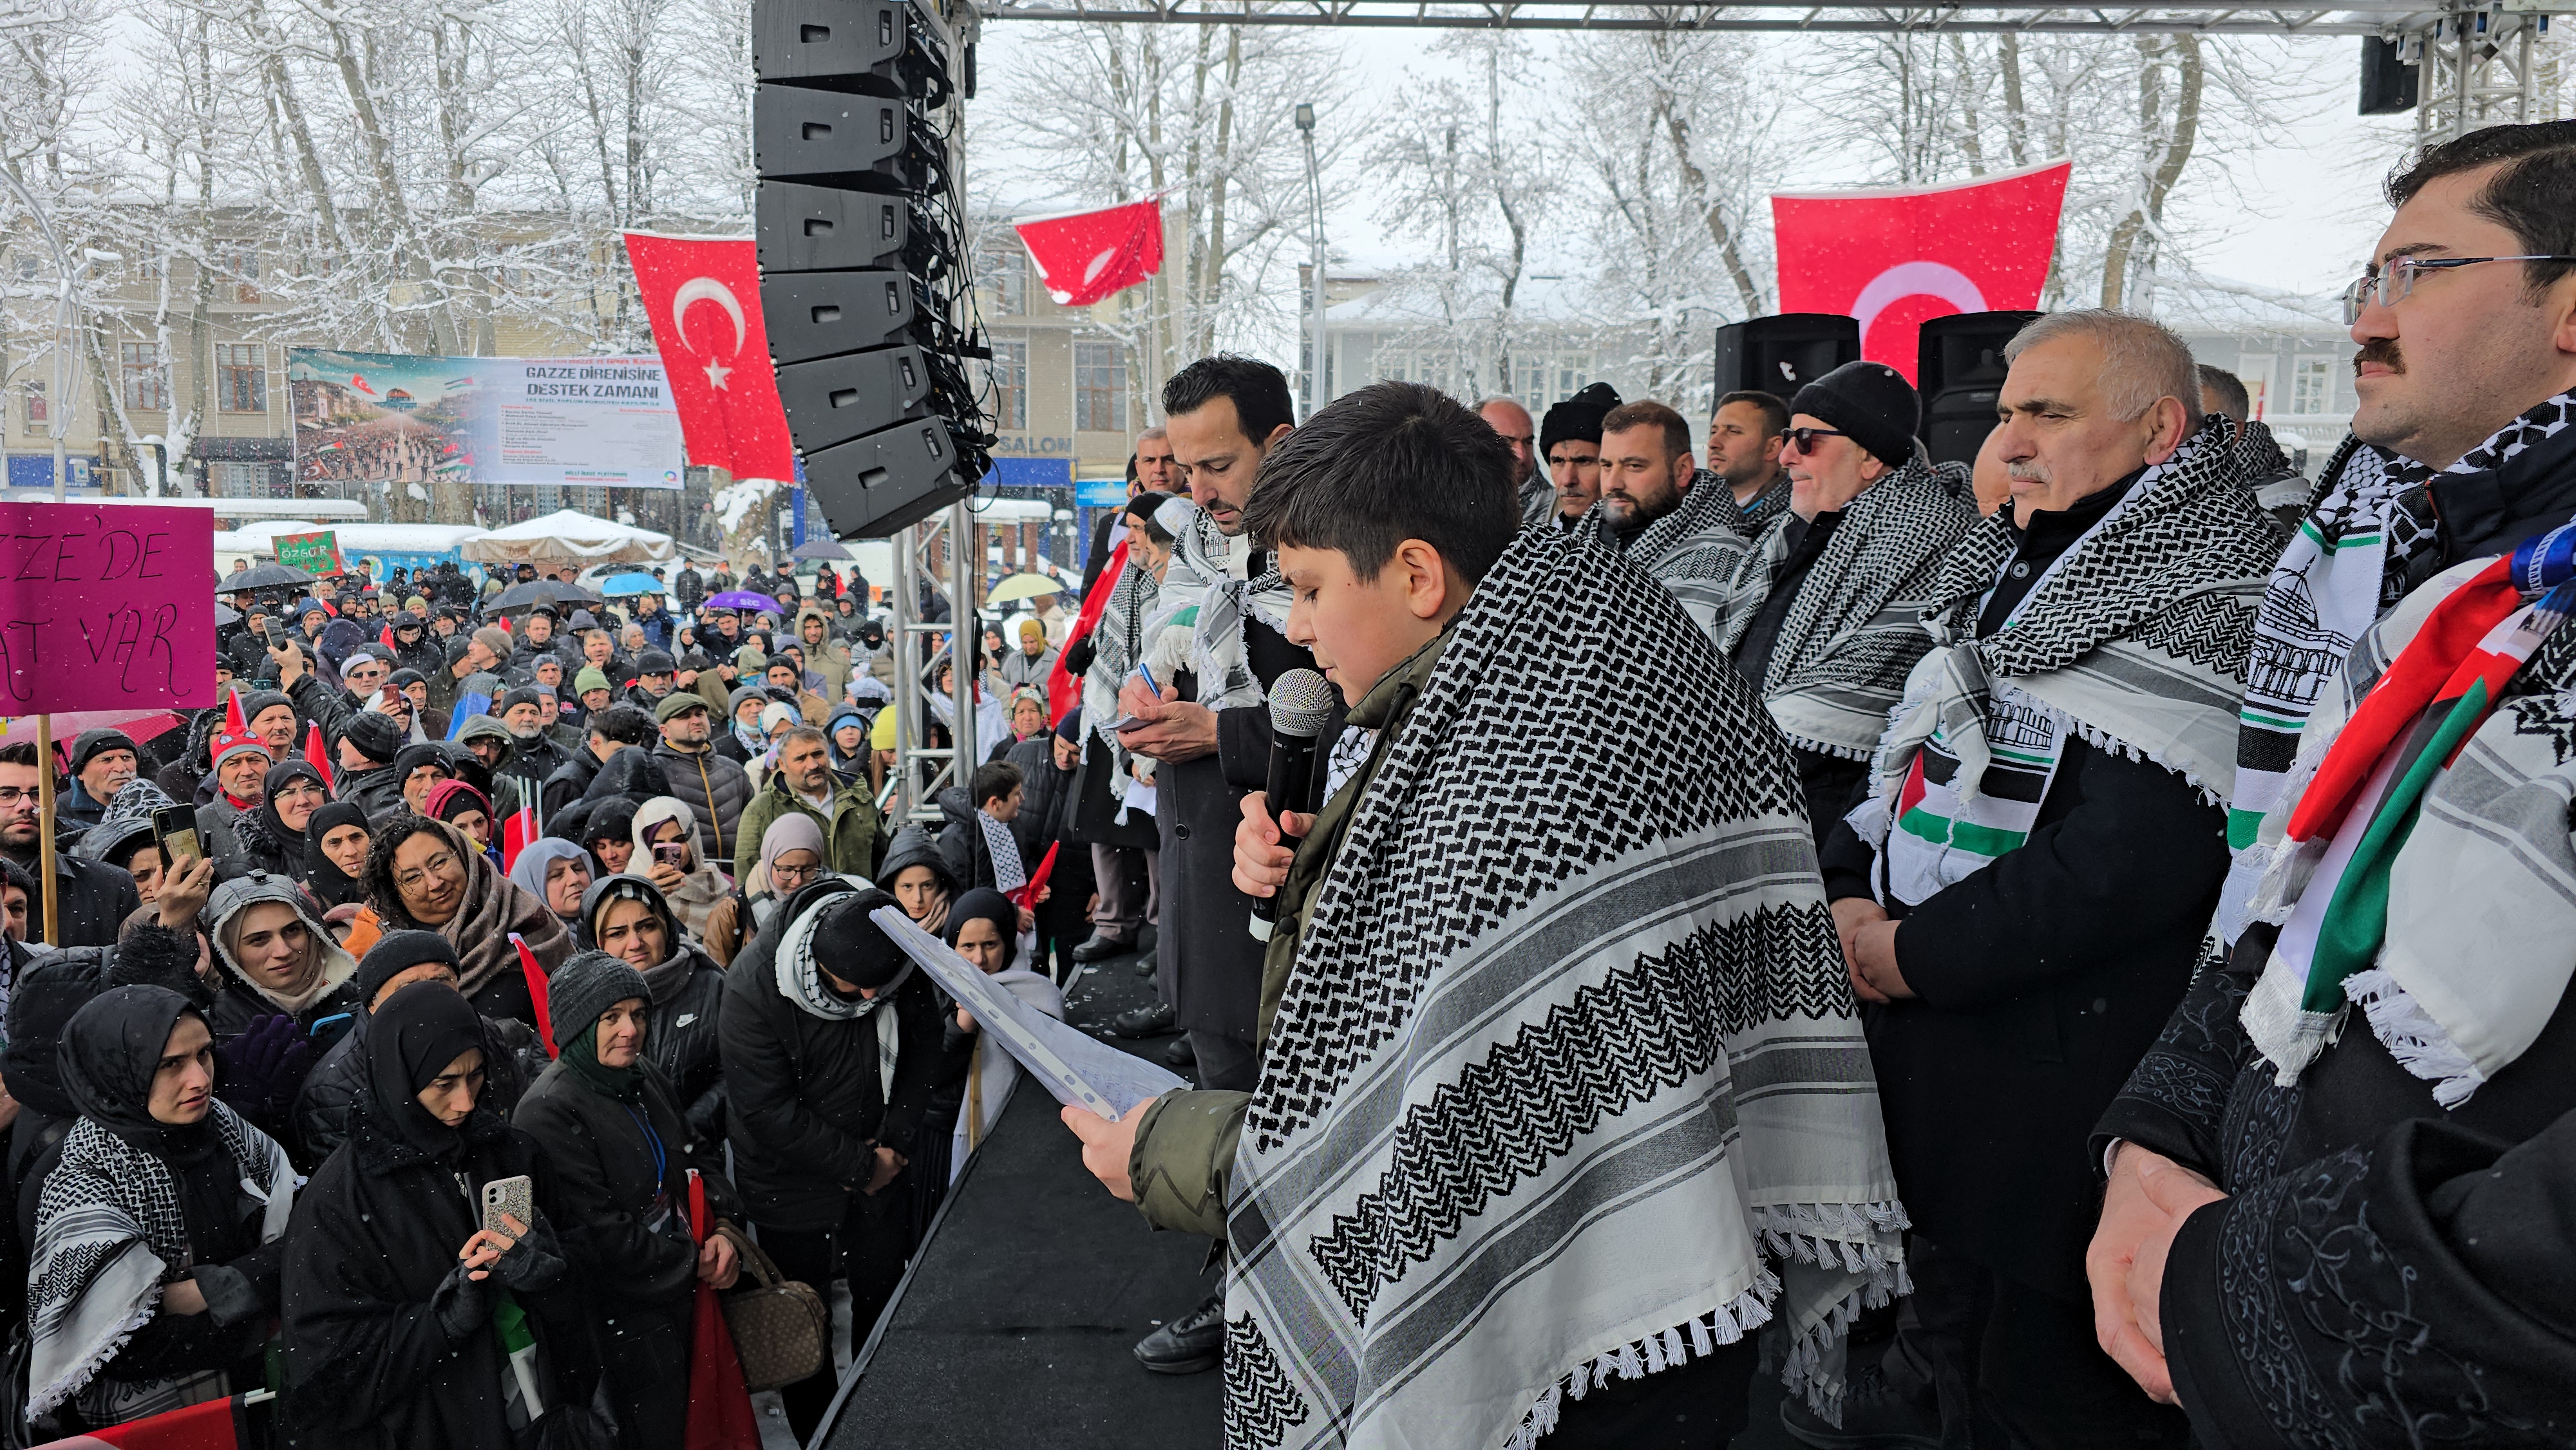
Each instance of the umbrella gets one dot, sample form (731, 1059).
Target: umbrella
(630, 584)
(226, 615)
(821, 549)
(1025, 586)
(264, 576)
(745, 599)
(141, 724)
(519, 598)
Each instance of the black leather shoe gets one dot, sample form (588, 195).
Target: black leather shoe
(1151, 1021)
(1884, 1423)
(1099, 948)
(1180, 1053)
(1191, 1344)
(1146, 966)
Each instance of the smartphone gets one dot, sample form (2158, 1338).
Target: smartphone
(513, 1196)
(175, 828)
(673, 854)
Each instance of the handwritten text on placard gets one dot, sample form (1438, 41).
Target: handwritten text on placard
(104, 608)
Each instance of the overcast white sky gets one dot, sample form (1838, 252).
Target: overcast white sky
(2298, 216)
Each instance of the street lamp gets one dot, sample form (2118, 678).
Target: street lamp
(1315, 384)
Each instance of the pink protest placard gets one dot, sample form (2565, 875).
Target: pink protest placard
(105, 608)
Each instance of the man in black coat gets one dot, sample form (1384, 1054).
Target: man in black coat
(2360, 1238)
(819, 1148)
(2023, 901)
(609, 731)
(90, 898)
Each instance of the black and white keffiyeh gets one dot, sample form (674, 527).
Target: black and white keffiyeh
(110, 1234)
(1118, 641)
(1696, 548)
(1567, 1081)
(1855, 630)
(2135, 639)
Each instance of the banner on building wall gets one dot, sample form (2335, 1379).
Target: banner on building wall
(412, 421)
(1896, 259)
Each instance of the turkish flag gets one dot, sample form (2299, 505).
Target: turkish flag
(702, 295)
(214, 1425)
(1895, 259)
(1085, 257)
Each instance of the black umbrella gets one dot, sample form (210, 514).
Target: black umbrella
(264, 576)
(821, 549)
(226, 616)
(520, 598)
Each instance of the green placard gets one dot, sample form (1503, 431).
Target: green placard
(315, 554)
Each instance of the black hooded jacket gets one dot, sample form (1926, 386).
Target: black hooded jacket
(625, 1208)
(336, 1090)
(680, 1032)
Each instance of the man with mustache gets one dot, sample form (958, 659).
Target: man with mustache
(2335, 1212)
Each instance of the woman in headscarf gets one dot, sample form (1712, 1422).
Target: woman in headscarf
(270, 836)
(628, 918)
(284, 999)
(1028, 716)
(984, 927)
(614, 1133)
(337, 1086)
(410, 1326)
(335, 854)
(791, 856)
(667, 852)
(556, 872)
(422, 873)
(156, 1261)
(469, 811)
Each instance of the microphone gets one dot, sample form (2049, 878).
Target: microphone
(1300, 702)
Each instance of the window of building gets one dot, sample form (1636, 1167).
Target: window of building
(1529, 383)
(1010, 385)
(244, 480)
(146, 386)
(241, 377)
(1008, 276)
(1099, 388)
(242, 263)
(35, 406)
(2312, 386)
(1573, 375)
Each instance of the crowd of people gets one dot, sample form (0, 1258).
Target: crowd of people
(2053, 950)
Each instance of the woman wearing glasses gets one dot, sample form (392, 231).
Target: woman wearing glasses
(424, 874)
(791, 857)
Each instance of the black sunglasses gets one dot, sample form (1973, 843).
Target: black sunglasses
(1804, 439)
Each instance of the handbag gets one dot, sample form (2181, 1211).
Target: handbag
(781, 1329)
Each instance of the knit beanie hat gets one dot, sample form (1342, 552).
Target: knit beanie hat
(512, 699)
(89, 744)
(588, 680)
(224, 744)
(495, 639)
(1870, 401)
(377, 737)
(653, 662)
(1577, 418)
(676, 704)
(397, 952)
(855, 949)
(586, 985)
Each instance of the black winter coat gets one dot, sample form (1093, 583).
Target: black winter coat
(377, 792)
(374, 1234)
(803, 1109)
(715, 789)
(93, 897)
(625, 1229)
(682, 1038)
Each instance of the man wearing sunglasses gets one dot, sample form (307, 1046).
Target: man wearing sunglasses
(2022, 890)
(2319, 1221)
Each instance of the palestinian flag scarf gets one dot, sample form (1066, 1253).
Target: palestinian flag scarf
(2135, 638)
(1852, 635)
(2460, 645)
(1566, 1083)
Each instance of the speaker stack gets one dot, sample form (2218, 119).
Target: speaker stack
(1959, 369)
(1781, 353)
(863, 274)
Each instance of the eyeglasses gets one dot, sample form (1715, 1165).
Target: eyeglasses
(1803, 440)
(2394, 283)
(10, 795)
(797, 874)
(438, 865)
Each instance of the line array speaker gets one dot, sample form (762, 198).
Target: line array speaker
(1777, 354)
(862, 261)
(1959, 370)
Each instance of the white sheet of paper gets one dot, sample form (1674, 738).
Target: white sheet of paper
(1140, 798)
(1081, 1070)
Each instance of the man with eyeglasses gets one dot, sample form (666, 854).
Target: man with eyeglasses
(2021, 892)
(2335, 1207)
(90, 898)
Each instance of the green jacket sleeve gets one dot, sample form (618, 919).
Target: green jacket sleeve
(1183, 1160)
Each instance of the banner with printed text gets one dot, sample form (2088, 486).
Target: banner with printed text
(407, 422)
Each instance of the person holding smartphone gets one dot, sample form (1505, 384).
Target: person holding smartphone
(399, 1299)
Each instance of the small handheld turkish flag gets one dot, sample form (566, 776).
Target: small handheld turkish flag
(702, 295)
(1086, 257)
(1896, 259)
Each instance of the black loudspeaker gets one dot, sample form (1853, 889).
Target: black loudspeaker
(861, 250)
(2387, 82)
(1959, 369)
(1781, 353)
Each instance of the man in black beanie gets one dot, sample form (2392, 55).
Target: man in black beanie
(368, 745)
(813, 1008)
(1570, 440)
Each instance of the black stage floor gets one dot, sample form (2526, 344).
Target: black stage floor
(1016, 1324)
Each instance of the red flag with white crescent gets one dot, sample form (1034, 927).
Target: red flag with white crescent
(1087, 256)
(702, 295)
(1896, 259)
